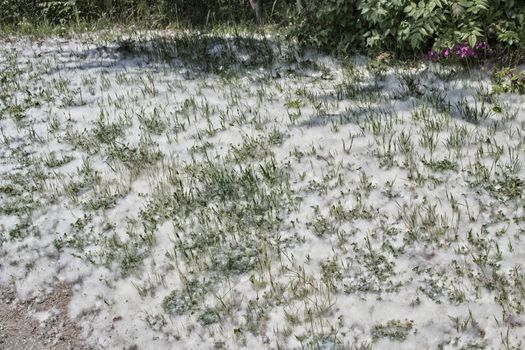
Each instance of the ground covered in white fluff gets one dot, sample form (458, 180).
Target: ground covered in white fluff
(231, 191)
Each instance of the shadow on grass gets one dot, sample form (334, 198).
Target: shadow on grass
(443, 91)
(195, 55)
(199, 55)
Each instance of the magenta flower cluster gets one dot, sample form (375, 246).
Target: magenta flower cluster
(461, 51)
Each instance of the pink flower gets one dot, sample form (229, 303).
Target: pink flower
(464, 51)
(432, 55)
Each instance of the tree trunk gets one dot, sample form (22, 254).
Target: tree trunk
(257, 8)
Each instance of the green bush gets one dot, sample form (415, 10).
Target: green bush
(409, 26)
(331, 24)
(61, 12)
(183, 12)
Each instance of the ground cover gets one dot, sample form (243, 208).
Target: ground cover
(233, 190)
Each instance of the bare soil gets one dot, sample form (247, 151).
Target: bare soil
(20, 328)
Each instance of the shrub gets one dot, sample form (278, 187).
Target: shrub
(408, 26)
(183, 12)
(331, 24)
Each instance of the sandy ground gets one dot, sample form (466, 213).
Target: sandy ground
(40, 324)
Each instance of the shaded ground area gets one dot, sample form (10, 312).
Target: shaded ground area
(41, 323)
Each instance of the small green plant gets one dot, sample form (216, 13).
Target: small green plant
(473, 114)
(508, 80)
(188, 298)
(393, 329)
(441, 165)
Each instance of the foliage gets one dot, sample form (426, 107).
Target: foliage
(508, 80)
(182, 12)
(332, 24)
(408, 26)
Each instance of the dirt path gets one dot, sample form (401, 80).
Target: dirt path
(38, 324)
